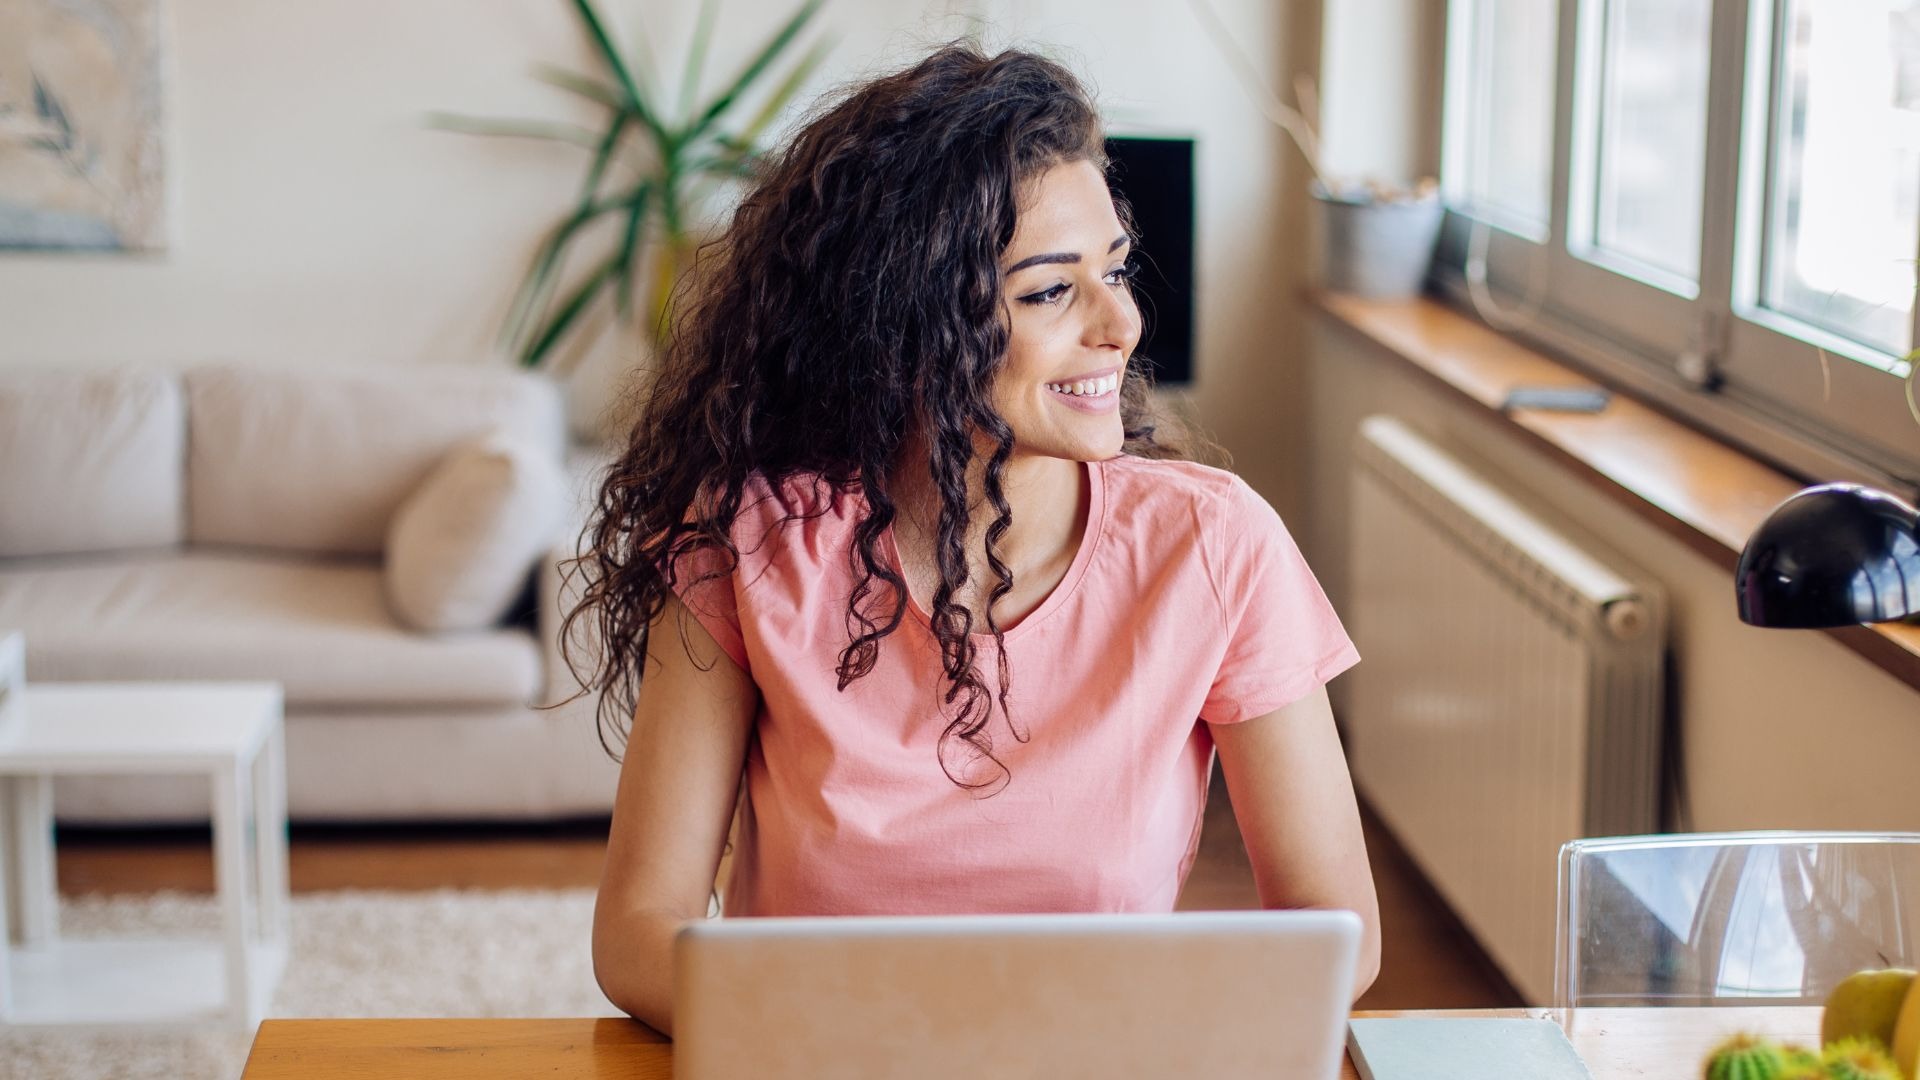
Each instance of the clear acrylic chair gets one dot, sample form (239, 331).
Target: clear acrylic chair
(1720, 919)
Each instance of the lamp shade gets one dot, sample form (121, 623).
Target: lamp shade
(1832, 555)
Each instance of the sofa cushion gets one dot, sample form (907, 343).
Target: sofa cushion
(320, 461)
(90, 461)
(461, 547)
(320, 627)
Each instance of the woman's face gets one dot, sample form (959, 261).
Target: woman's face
(1072, 319)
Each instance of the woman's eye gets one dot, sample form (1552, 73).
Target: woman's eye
(1054, 295)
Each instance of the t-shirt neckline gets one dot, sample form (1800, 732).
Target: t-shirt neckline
(1077, 569)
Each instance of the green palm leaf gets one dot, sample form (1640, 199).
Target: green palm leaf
(733, 166)
(570, 311)
(768, 54)
(537, 287)
(636, 100)
(697, 55)
(553, 130)
(629, 246)
(586, 86)
(543, 272)
(783, 93)
(603, 153)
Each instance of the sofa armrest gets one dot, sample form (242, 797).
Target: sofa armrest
(560, 591)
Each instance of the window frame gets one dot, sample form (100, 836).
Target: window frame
(1718, 359)
(1589, 290)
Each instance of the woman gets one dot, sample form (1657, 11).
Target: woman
(922, 567)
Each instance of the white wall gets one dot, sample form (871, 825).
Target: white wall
(318, 221)
(315, 219)
(1381, 83)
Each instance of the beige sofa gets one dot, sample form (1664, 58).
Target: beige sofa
(234, 523)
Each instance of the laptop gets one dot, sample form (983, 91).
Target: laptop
(1119, 997)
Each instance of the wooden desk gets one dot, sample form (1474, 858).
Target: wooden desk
(1616, 1043)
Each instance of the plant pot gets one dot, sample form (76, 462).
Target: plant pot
(1378, 249)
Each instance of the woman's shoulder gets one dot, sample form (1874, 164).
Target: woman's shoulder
(795, 495)
(804, 512)
(1162, 483)
(1177, 506)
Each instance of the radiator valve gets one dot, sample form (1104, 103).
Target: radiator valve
(1626, 619)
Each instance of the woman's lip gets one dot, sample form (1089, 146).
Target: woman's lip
(1088, 375)
(1095, 403)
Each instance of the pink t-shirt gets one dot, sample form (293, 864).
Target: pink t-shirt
(1186, 601)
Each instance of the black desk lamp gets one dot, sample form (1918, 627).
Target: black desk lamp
(1832, 555)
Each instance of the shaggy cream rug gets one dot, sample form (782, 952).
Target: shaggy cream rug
(419, 954)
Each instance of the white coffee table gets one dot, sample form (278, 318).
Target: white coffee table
(227, 732)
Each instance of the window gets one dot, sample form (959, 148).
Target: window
(1845, 171)
(1649, 149)
(1505, 158)
(1718, 201)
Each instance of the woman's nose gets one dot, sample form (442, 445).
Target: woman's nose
(1115, 320)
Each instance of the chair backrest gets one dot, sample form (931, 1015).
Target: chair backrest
(1773, 918)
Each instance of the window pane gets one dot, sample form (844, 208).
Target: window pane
(1653, 132)
(1841, 224)
(1509, 84)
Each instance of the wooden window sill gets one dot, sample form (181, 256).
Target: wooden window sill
(1698, 490)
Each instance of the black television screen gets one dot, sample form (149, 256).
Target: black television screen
(1155, 175)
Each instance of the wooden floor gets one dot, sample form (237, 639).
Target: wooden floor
(1428, 961)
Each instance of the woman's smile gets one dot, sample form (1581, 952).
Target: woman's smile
(1094, 392)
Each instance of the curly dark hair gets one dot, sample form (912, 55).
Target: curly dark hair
(851, 313)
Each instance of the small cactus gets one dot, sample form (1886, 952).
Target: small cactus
(1746, 1057)
(1861, 1057)
(1802, 1063)
(1799, 1057)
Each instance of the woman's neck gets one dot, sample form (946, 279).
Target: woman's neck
(1047, 496)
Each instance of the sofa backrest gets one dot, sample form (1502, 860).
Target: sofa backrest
(90, 461)
(319, 461)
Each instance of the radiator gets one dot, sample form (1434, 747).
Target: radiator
(1510, 696)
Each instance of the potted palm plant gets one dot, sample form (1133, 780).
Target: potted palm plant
(653, 170)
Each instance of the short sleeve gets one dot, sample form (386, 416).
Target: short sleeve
(1283, 638)
(714, 602)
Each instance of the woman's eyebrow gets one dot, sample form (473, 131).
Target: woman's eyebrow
(1060, 256)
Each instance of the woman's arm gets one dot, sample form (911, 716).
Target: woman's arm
(1295, 806)
(678, 783)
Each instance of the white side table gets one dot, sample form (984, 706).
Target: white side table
(228, 732)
